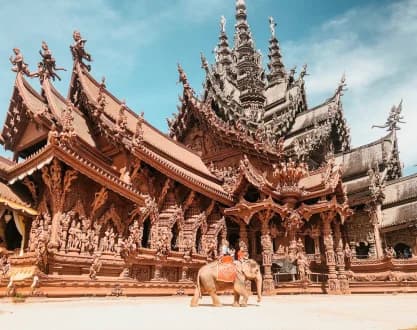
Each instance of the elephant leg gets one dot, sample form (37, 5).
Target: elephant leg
(240, 290)
(236, 299)
(215, 298)
(196, 297)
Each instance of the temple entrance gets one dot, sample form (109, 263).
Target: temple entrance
(309, 245)
(175, 235)
(198, 245)
(362, 250)
(146, 232)
(402, 251)
(232, 234)
(11, 234)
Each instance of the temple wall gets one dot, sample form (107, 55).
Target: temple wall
(400, 236)
(359, 229)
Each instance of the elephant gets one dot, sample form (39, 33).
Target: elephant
(207, 282)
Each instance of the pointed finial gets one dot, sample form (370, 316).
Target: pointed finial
(303, 72)
(182, 76)
(204, 63)
(223, 24)
(342, 85)
(272, 26)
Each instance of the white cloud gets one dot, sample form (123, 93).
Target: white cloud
(376, 47)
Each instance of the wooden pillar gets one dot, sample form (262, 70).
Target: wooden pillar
(327, 218)
(317, 254)
(340, 259)
(268, 282)
(243, 239)
(376, 219)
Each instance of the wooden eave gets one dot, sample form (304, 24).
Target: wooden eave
(171, 171)
(20, 102)
(91, 167)
(161, 161)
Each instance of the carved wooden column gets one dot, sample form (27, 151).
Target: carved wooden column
(243, 237)
(375, 214)
(316, 237)
(268, 282)
(327, 218)
(157, 273)
(340, 259)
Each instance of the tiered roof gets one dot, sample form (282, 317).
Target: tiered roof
(266, 107)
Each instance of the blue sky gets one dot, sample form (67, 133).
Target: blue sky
(136, 45)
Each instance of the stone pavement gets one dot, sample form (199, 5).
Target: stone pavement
(278, 312)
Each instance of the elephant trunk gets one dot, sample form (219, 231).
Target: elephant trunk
(259, 286)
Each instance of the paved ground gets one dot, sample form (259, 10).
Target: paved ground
(278, 312)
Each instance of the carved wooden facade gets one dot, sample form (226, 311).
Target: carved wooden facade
(106, 203)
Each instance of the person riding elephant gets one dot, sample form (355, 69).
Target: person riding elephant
(210, 281)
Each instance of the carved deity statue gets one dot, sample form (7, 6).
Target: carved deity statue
(302, 266)
(95, 267)
(78, 51)
(18, 62)
(49, 63)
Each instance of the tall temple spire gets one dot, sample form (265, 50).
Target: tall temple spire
(249, 67)
(223, 52)
(243, 35)
(275, 65)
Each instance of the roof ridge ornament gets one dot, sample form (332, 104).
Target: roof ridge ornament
(393, 119)
(18, 63)
(78, 51)
(47, 68)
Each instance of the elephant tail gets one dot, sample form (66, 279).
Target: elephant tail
(198, 285)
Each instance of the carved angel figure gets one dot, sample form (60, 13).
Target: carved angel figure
(95, 267)
(18, 62)
(78, 51)
(49, 63)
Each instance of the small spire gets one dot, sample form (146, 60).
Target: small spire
(182, 76)
(272, 26)
(341, 87)
(275, 65)
(223, 52)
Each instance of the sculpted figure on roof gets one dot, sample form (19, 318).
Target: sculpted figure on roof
(78, 51)
(394, 119)
(18, 62)
(49, 63)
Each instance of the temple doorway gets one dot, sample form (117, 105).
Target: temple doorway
(402, 251)
(12, 235)
(175, 235)
(362, 250)
(233, 234)
(309, 245)
(198, 237)
(146, 232)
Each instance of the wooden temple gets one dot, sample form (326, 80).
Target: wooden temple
(96, 201)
